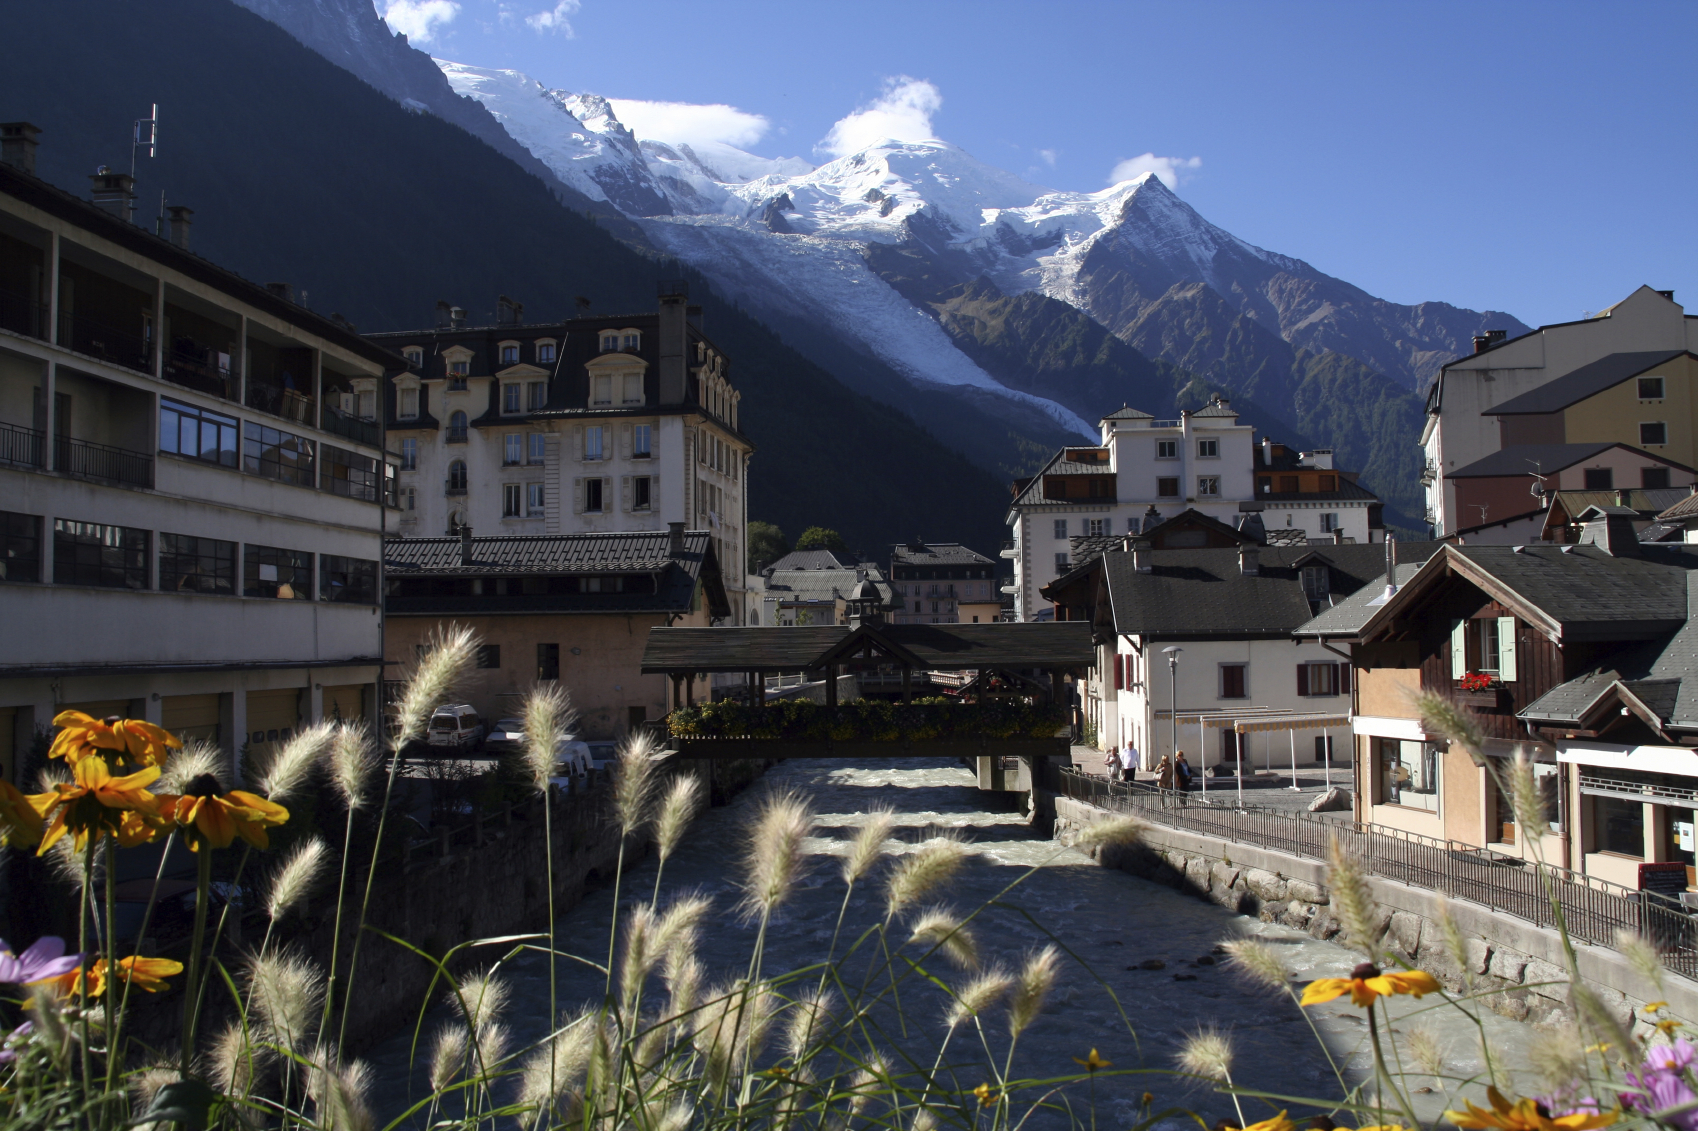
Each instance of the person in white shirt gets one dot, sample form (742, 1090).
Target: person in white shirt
(1129, 762)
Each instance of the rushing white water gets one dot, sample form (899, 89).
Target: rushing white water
(1109, 921)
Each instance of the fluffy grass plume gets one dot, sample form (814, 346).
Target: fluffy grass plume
(634, 771)
(354, 764)
(1426, 1049)
(679, 929)
(773, 859)
(341, 1093)
(1557, 1056)
(292, 762)
(448, 656)
(683, 800)
(1114, 831)
(941, 928)
(482, 998)
(920, 872)
(548, 716)
(295, 877)
(1641, 955)
(640, 952)
(867, 845)
(1030, 989)
(1207, 1053)
(286, 990)
(1351, 900)
(1524, 797)
(1443, 715)
(977, 996)
(1450, 932)
(807, 1021)
(1256, 962)
(683, 976)
(194, 759)
(233, 1061)
(447, 1056)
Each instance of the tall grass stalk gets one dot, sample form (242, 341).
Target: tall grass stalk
(549, 717)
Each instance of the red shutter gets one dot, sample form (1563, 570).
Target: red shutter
(1344, 679)
(1119, 670)
(1302, 679)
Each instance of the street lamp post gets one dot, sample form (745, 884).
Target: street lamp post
(1172, 653)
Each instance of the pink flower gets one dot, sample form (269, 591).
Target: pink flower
(45, 959)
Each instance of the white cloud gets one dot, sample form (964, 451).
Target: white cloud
(417, 19)
(1168, 170)
(557, 18)
(1049, 157)
(690, 123)
(903, 112)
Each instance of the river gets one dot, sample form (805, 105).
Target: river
(1113, 922)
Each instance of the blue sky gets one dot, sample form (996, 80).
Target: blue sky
(1536, 158)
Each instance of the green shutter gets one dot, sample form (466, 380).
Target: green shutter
(1506, 649)
(1458, 649)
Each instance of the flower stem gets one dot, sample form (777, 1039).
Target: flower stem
(191, 995)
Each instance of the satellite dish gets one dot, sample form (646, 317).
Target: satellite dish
(1538, 489)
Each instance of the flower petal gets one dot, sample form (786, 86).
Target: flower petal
(1324, 989)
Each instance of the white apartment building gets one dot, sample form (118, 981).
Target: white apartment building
(191, 471)
(1458, 432)
(592, 425)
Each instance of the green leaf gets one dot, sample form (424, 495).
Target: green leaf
(188, 1102)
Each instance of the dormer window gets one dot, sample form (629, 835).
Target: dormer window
(1317, 583)
(633, 392)
(510, 353)
(632, 341)
(545, 353)
(457, 371)
(609, 342)
(407, 403)
(414, 356)
(601, 390)
(510, 393)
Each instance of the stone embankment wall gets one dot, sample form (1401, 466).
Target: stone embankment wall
(1517, 968)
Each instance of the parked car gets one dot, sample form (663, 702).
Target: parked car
(601, 752)
(573, 757)
(507, 736)
(455, 727)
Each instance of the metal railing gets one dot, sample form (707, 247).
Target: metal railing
(1592, 910)
(338, 423)
(23, 315)
(196, 373)
(103, 340)
(102, 461)
(20, 447)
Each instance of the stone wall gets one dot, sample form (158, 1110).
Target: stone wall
(1519, 969)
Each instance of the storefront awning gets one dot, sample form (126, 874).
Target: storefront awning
(1291, 722)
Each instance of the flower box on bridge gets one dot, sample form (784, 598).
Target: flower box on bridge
(719, 749)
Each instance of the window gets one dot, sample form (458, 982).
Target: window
(1329, 522)
(457, 477)
(350, 581)
(1208, 485)
(1650, 388)
(270, 572)
(534, 500)
(510, 354)
(20, 547)
(510, 393)
(1654, 478)
(1323, 679)
(633, 393)
(510, 495)
(1653, 433)
(195, 433)
(545, 353)
(1600, 479)
(457, 372)
(592, 495)
(1167, 449)
(196, 565)
(90, 553)
(601, 390)
(408, 404)
(414, 356)
(1061, 565)
(277, 455)
(536, 395)
(640, 442)
(1234, 681)
(1098, 527)
(1409, 773)
(1317, 582)
(609, 342)
(640, 493)
(592, 442)
(410, 499)
(1060, 528)
(548, 661)
(632, 341)
(1289, 484)
(489, 656)
(1620, 826)
(513, 448)
(1167, 487)
(1326, 483)
(350, 474)
(1208, 449)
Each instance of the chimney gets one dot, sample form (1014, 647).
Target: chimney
(1482, 343)
(1666, 294)
(674, 361)
(114, 193)
(17, 145)
(1141, 556)
(1611, 530)
(1320, 458)
(1621, 496)
(443, 313)
(1391, 566)
(1249, 561)
(1338, 537)
(465, 545)
(1267, 452)
(177, 225)
(282, 290)
(457, 317)
(675, 539)
(508, 312)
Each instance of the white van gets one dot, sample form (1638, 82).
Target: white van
(456, 726)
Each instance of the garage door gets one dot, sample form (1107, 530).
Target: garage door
(272, 718)
(190, 717)
(101, 708)
(346, 703)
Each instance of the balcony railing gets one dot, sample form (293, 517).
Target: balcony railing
(451, 488)
(1009, 550)
(20, 447)
(23, 315)
(456, 435)
(194, 373)
(100, 339)
(102, 461)
(338, 423)
(1593, 910)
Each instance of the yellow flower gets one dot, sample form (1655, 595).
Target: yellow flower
(1653, 1006)
(1366, 983)
(1093, 1062)
(132, 739)
(1277, 1123)
(987, 1095)
(1384, 1127)
(1525, 1115)
(97, 803)
(147, 973)
(20, 823)
(217, 818)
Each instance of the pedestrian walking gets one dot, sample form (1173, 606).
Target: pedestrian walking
(1111, 763)
(1129, 763)
(1164, 773)
(1182, 776)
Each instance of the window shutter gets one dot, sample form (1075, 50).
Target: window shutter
(578, 442)
(1302, 679)
(625, 493)
(1344, 679)
(1506, 649)
(625, 442)
(654, 494)
(578, 496)
(1458, 649)
(1119, 671)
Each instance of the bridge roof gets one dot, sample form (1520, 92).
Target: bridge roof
(931, 647)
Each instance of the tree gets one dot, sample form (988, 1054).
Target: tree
(822, 538)
(766, 545)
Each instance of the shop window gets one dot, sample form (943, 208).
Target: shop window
(1619, 826)
(1408, 773)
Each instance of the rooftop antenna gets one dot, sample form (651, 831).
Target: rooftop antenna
(150, 141)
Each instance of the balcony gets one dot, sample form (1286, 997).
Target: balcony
(23, 315)
(1429, 473)
(339, 423)
(451, 488)
(19, 447)
(1165, 423)
(102, 461)
(87, 334)
(196, 372)
(1009, 550)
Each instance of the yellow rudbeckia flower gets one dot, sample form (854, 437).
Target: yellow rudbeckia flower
(217, 818)
(1277, 1123)
(1093, 1062)
(97, 803)
(147, 973)
(129, 739)
(1366, 983)
(20, 823)
(1525, 1115)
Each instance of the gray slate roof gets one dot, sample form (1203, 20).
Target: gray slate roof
(938, 647)
(1526, 459)
(1127, 412)
(822, 584)
(1685, 508)
(1033, 493)
(1346, 618)
(1578, 384)
(1347, 490)
(632, 552)
(936, 553)
(1648, 503)
(815, 559)
(1591, 594)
